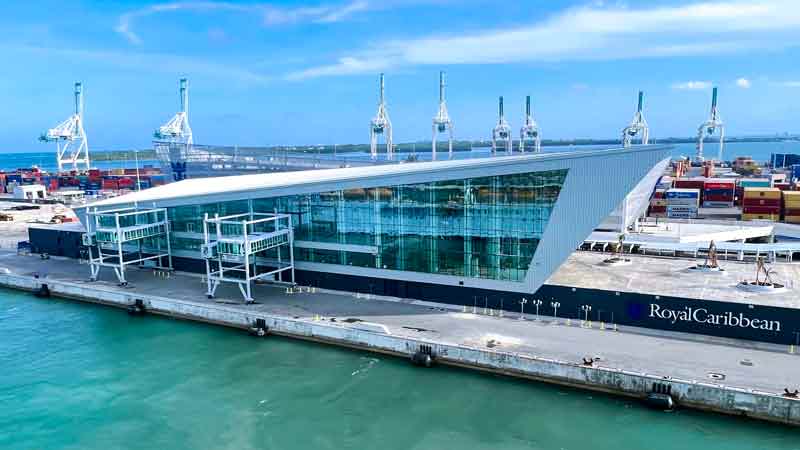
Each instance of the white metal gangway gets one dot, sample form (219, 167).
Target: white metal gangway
(118, 238)
(234, 245)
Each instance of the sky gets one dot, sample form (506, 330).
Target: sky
(299, 73)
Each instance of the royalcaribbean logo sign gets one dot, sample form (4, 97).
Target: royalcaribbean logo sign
(702, 315)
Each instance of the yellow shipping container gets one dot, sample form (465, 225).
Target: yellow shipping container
(765, 193)
(792, 219)
(770, 217)
(791, 204)
(662, 202)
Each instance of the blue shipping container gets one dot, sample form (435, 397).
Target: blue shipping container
(796, 171)
(683, 194)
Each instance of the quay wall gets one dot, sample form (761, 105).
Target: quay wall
(687, 393)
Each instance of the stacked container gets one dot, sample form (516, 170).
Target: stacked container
(719, 193)
(682, 203)
(658, 204)
(791, 206)
(761, 204)
(795, 172)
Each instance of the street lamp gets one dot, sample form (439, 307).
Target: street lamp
(555, 306)
(536, 303)
(586, 309)
(522, 308)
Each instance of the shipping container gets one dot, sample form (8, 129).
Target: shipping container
(717, 204)
(754, 182)
(773, 217)
(770, 193)
(761, 210)
(682, 193)
(761, 202)
(718, 198)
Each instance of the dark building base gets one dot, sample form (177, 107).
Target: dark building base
(771, 324)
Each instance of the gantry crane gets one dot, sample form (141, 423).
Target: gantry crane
(72, 147)
(177, 129)
(442, 122)
(502, 132)
(530, 131)
(713, 123)
(380, 124)
(637, 127)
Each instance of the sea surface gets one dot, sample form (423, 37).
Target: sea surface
(760, 151)
(80, 376)
(47, 161)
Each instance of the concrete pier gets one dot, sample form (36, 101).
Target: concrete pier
(714, 374)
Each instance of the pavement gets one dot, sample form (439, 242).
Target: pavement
(657, 353)
(669, 276)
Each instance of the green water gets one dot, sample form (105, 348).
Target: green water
(75, 376)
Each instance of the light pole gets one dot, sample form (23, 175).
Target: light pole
(536, 303)
(586, 309)
(522, 308)
(555, 306)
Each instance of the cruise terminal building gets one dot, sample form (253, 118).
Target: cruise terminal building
(485, 232)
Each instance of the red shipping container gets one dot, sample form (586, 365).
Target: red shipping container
(761, 210)
(716, 185)
(654, 209)
(110, 184)
(791, 212)
(762, 202)
(689, 184)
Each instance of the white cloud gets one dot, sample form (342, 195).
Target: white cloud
(692, 85)
(594, 33)
(318, 14)
(271, 15)
(743, 83)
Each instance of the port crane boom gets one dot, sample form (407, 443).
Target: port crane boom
(713, 123)
(637, 127)
(442, 122)
(380, 125)
(177, 129)
(72, 147)
(530, 131)
(501, 131)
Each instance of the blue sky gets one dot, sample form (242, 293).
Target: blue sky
(306, 72)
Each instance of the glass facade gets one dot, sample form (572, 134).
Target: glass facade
(485, 227)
